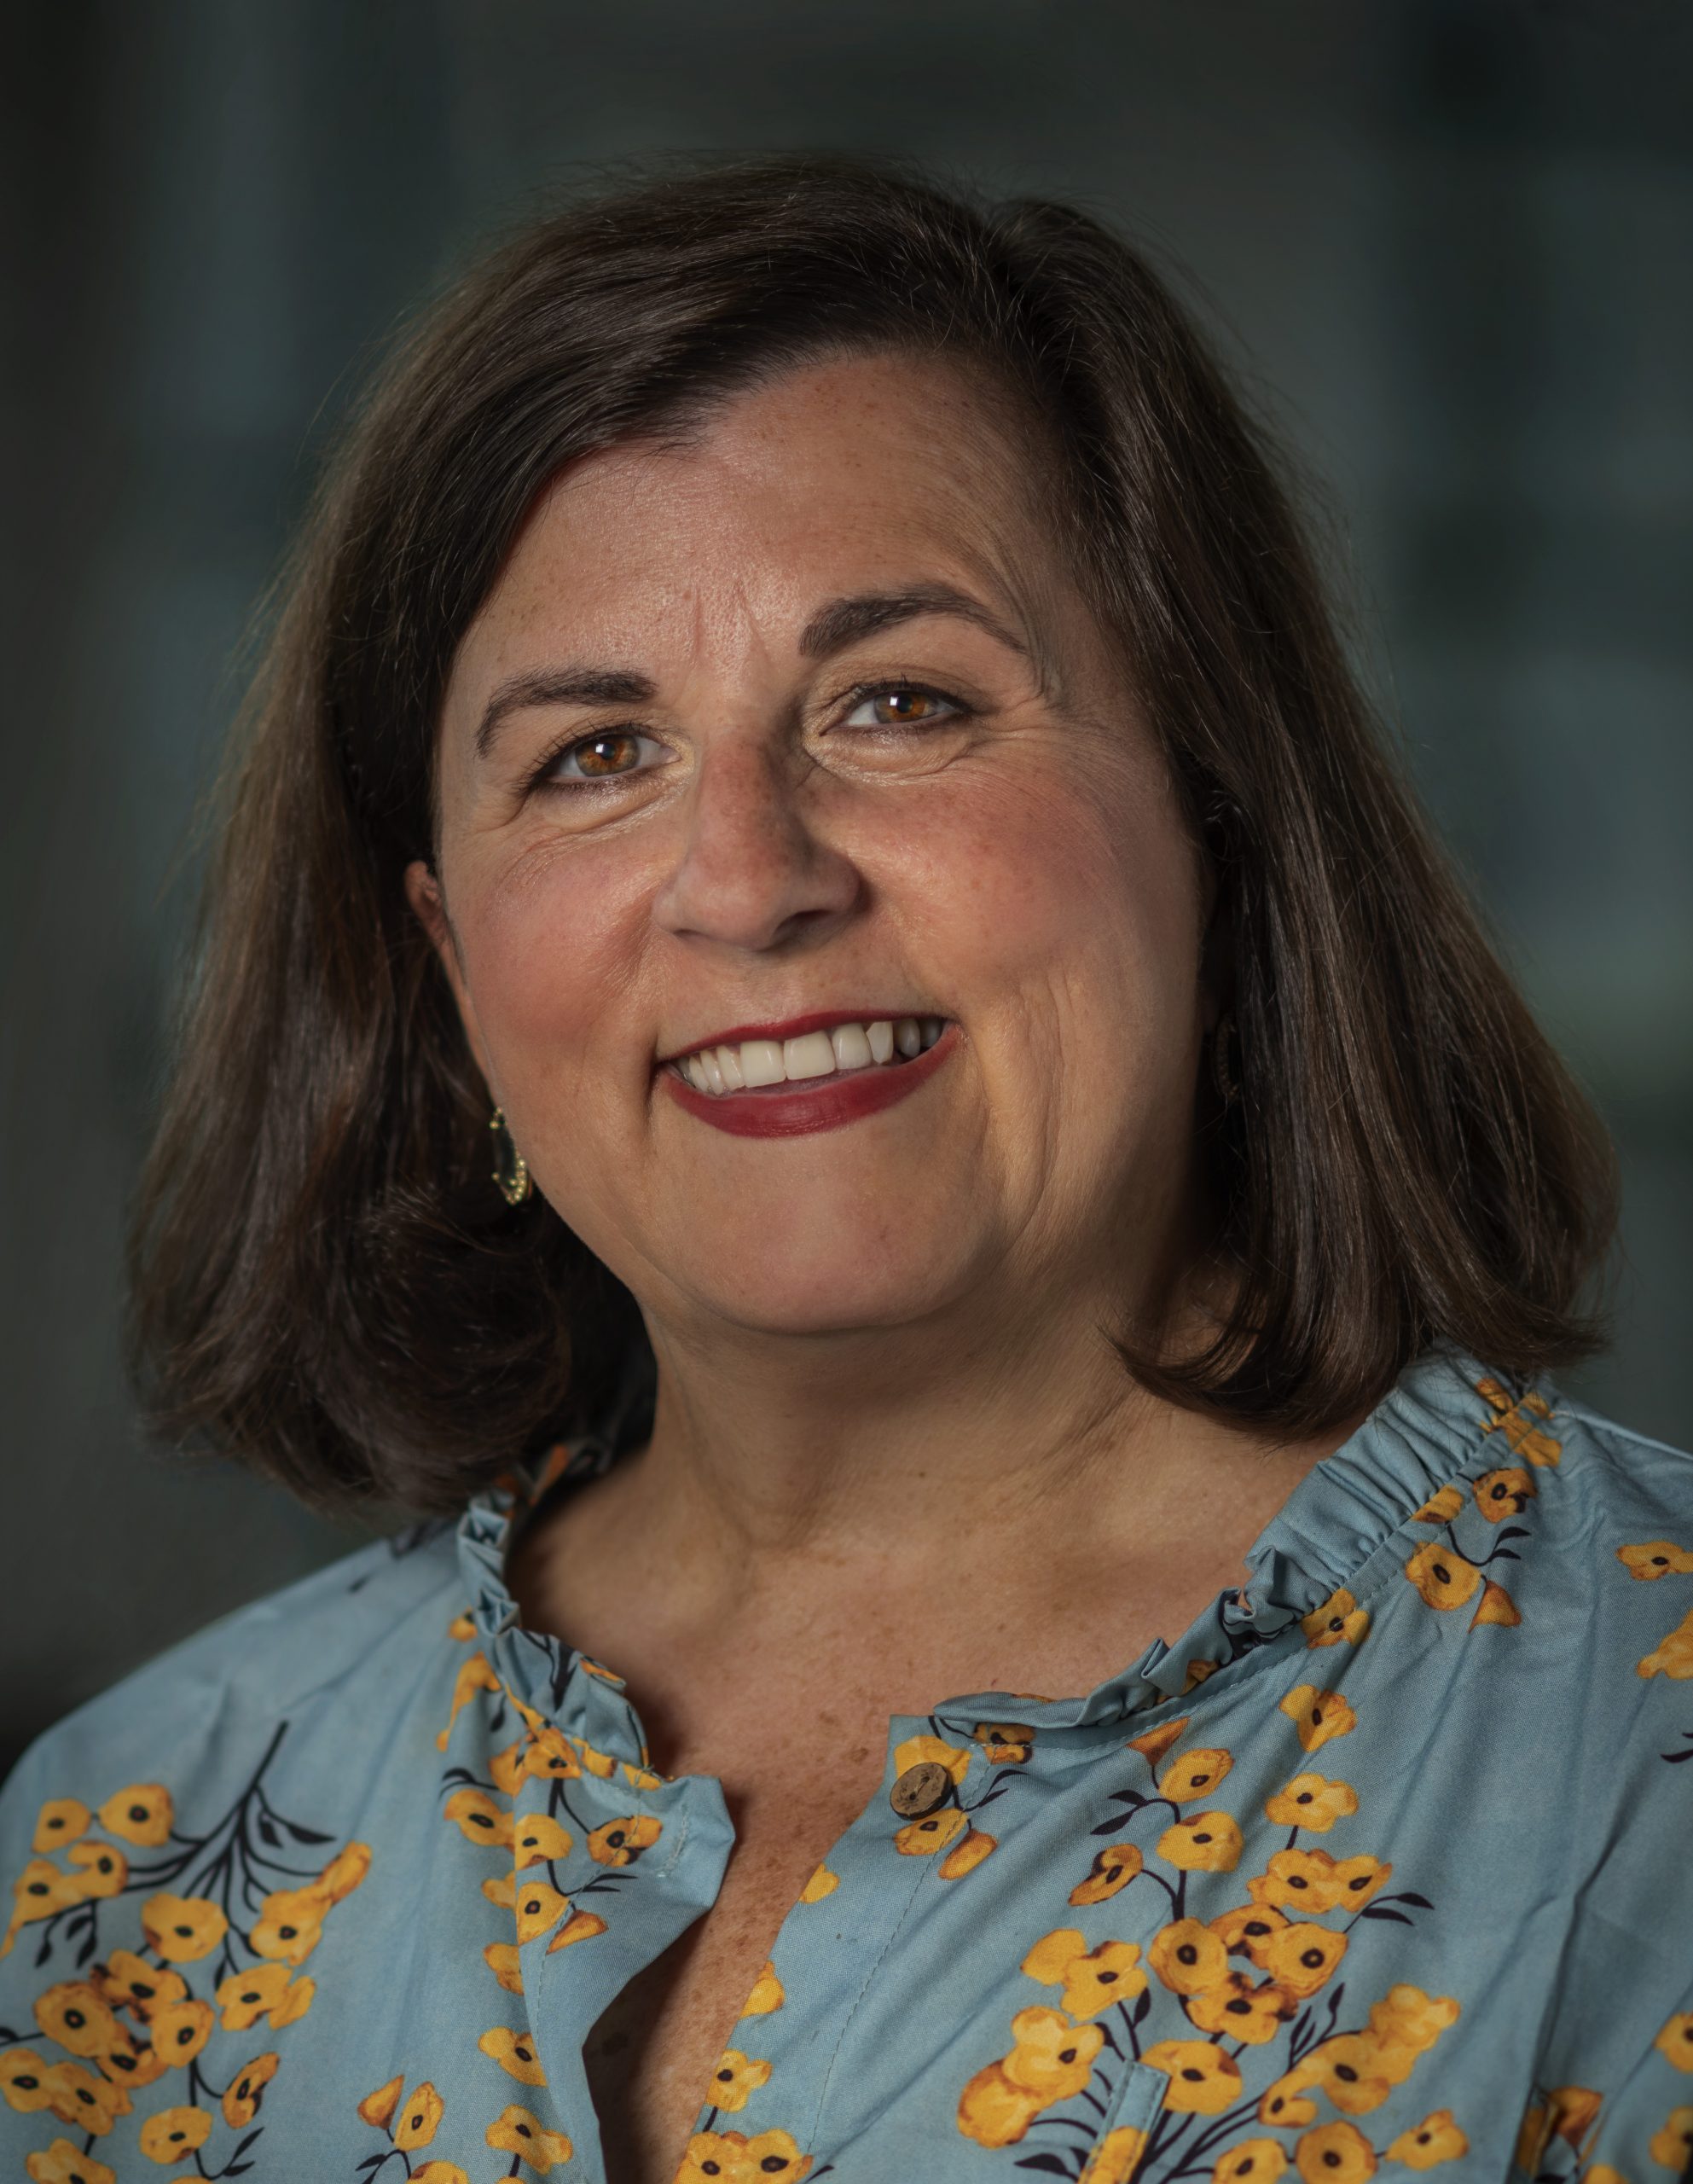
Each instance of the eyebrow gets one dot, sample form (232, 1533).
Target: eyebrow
(835, 626)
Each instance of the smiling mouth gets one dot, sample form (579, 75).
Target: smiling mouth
(753, 1065)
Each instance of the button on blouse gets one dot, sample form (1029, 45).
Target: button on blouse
(1381, 1865)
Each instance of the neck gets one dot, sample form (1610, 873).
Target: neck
(1015, 1443)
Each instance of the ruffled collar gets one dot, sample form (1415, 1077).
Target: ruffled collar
(1427, 1429)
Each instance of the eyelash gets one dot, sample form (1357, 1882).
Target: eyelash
(543, 776)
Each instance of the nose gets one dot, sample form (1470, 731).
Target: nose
(753, 872)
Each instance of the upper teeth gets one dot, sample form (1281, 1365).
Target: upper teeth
(814, 1054)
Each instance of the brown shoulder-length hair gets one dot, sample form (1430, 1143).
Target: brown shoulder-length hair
(325, 1281)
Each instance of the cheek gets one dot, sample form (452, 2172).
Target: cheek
(1083, 909)
(549, 956)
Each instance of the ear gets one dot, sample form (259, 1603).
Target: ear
(429, 907)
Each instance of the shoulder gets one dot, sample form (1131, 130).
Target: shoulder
(307, 1650)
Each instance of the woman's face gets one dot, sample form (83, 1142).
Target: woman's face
(807, 718)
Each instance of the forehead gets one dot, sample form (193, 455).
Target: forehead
(832, 474)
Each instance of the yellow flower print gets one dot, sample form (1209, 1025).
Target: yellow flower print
(290, 1924)
(1654, 1558)
(1284, 2103)
(1312, 1801)
(517, 2131)
(1571, 2112)
(125, 2064)
(1188, 1957)
(439, 2172)
(1351, 2068)
(143, 1814)
(180, 2030)
(246, 2090)
(1193, 1774)
(1250, 2014)
(735, 2078)
(1444, 1577)
(100, 1870)
(621, 1842)
(268, 1990)
(129, 1982)
(714, 2158)
(345, 1871)
(1318, 1715)
(767, 1993)
(76, 2096)
(1501, 1494)
(594, 1763)
(1496, 1605)
(474, 1675)
(1334, 2153)
(1112, 1869)
(1202, 2079)
(1051, 2060)
(1672, 1656)
(1339, 1621)
(1439, 1508)
(1051, 2056)
(74, 2014)
(38, 1892)
(1156, 1743)
(776, 2155)
(62, 2164)
(182, 1929)
(1434, 2139)
(1004, 1744)
(479, 1818)
(1301, 1881)
(1210, 1843)
(514, 2051)
(1301, 1957)
(61, 1820)
(1675, 2042)
(1115, 2158)
(932, 1752)
(549, 1758)
(507, 1769)
(540, 1908)
(21, 2079)
(174, 2133)
(966, 1857)
(502, 1960)
(377, 2108)
(918, 1838)
(1356, 1880)
(1248, 1927)
(420, 2117)
(641, 1778)
(822, 1883)
(580, 1926)
(1673, 2144)
(462, 1627)
(1408, 2018)
(534, 1837)
(1091, 1980)
(502, 1889)
(1254, 2161)
(1516, 1422)
(1197, 1670)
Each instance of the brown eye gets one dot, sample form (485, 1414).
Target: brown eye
(901, 705)
(612, 755)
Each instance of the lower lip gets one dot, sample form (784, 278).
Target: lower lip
(789, 1111)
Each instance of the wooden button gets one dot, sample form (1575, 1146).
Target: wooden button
(921, 1789)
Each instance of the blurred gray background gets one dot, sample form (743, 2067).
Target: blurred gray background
(1450, 241)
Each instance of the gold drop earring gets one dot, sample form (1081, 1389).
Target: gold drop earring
(511, 1169)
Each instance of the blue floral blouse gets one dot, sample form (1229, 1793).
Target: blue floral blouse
(1386, 1865)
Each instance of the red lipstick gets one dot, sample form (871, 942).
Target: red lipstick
(817, 1103)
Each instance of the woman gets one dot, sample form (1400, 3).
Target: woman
(802, 737)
